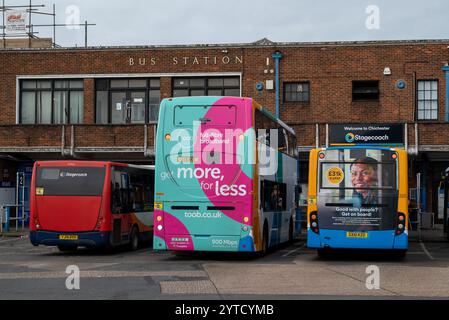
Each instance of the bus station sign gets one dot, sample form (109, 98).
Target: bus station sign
(386, 135)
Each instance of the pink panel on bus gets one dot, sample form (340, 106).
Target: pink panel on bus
(231, 185)
(176, 235)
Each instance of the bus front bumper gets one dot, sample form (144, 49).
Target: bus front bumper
(81, 239)
(204, 243)
(386, 239)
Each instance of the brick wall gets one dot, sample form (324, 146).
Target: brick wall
(329, 68)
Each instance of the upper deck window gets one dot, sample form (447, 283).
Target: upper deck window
(359, 170)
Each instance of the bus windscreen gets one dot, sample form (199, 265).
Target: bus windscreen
(70, 181)
(358, 190)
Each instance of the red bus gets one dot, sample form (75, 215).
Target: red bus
(91, 204)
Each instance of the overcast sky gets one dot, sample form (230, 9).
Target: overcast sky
(150, 22)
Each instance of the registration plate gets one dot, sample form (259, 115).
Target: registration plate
(68, 237)
(357, 235)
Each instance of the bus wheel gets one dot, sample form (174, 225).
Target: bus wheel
(134, 239)
(290, 232)
(400, 254)
(322, 252)
(66, 248)
(265, 240)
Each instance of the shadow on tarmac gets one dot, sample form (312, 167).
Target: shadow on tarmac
(361, 255)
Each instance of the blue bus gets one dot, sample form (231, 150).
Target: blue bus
(358, 199)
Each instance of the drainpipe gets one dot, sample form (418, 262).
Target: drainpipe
(446, 112)
(277, 56)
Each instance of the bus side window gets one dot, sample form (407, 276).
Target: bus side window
(282, 143)
(120, 192)
(261, 129)
(149, 192)
(116, 202)
(274, 196)
(124, 191)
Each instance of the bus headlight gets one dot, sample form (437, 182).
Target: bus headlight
(159, 227)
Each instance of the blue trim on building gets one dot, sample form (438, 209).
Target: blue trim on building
(277, 56)
(446, 112)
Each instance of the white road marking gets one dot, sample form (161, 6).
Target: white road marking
(101, 274)
(425, 250)
(293, 251)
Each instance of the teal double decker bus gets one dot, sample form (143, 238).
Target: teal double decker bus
(225, 176)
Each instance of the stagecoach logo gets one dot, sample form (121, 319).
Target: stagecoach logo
(72, 174)
(349, 137)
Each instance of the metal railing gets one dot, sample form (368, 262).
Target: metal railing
(5, 217)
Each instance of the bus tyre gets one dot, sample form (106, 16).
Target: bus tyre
(322, 252)
(290, 232)
(134, 239)
(265, 240)
(65, 248)
(400, 254)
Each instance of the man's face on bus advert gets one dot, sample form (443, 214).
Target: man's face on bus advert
(362, 176)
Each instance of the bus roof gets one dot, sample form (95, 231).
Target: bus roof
(371, 147)
(81, 163)
(255, 104)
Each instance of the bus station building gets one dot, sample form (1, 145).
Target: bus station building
(101, 103)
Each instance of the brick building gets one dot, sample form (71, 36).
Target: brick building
(102, 102)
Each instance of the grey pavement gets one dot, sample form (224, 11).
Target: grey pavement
(290, 272)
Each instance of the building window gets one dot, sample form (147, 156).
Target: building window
(297, 92)
(51, 101)
(185, 87)
(427, 100)
(121, 101)
(365, 90)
